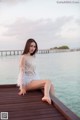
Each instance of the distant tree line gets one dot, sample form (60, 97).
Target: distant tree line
(61, 47)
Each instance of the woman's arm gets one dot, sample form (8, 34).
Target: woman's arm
(22, 67)
(22, 64)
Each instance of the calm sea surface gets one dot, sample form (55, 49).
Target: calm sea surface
(63, 69)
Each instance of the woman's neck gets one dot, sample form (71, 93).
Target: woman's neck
(28, 54)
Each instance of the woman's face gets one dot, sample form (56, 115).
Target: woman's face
(32, 47)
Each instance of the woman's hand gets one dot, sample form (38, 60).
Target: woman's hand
(22, 91)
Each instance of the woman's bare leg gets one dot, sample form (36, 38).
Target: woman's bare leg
(35, 84)
(46, 92)
(52, 91)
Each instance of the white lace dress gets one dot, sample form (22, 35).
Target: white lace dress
(30, 72)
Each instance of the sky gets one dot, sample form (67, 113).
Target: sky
(52, 23)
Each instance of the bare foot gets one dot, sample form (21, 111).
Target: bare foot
(47, 99)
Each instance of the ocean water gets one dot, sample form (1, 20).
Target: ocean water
(63, 69)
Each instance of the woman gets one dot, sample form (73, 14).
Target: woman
(28, 78)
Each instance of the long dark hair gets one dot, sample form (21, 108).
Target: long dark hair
(27, 46)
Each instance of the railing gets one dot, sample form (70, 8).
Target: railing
(43, 51)
(19, 52)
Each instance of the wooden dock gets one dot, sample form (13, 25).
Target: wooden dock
(31, 107)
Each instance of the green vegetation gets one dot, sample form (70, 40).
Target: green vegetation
(61, 47)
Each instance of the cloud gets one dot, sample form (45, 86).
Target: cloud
(63, 30)
(12, 2)
(78, 21)
(23, 27)
(70, 30)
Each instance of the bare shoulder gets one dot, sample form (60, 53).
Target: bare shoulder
(22, 57)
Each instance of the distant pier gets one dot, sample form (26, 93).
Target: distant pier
(19, 52)
(42, 51)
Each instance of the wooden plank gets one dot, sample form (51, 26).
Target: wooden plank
(8, 86)
(63, 109)
(31, 106)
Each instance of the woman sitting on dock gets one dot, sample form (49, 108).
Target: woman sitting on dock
(28, 78)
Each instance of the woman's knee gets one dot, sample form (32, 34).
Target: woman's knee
(48, 81)
(52, 86)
